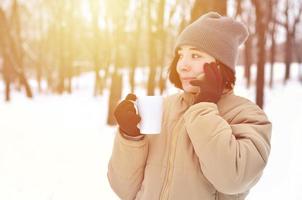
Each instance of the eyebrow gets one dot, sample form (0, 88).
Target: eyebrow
(190, 48)
(193, 48)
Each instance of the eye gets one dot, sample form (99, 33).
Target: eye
(180, 55)
(194, 55)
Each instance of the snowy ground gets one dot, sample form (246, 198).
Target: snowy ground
(57, 147)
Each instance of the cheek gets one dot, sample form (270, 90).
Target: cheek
(189, 88)
(197, 67)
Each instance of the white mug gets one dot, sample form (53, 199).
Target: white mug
(150, 109)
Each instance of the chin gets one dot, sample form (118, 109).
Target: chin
(191, 89)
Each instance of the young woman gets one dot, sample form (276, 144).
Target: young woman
(213, 144)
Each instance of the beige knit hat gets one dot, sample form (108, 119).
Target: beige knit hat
(217, 35)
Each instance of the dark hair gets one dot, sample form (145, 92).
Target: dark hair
(228, 75)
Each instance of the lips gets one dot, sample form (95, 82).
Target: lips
(187, 78)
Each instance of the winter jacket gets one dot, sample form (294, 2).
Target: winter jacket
(204, 151)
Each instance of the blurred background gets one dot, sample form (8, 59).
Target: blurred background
(64, 66)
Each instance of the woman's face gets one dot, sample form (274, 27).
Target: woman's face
(190, 65)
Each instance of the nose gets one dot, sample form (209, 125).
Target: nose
(185, 68)
(184, 64)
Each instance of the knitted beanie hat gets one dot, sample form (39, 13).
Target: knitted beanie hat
(218, 36)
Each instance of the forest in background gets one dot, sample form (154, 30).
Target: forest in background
(55, 41)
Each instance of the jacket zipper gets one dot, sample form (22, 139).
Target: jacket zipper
(170, 168)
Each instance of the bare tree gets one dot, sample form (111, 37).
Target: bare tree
(298, 52)
(70, 48)
(272, 32)
(151, 49)
(163, 33)
(60, 45)
(39, 64)
(95, 9)
(12, 50)
(261, 28)
(65, 42)
(18, 48)
(161, 43)
(245, 14)
(134, 39)
(119, 17)
(7, 72)
(200, 7)
(290, 24)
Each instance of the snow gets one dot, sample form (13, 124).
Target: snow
(58, 147)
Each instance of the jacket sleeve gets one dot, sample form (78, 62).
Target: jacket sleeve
(232, 156)
(126, 166)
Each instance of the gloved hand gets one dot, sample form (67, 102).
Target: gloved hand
(126, 117)
(211, 86)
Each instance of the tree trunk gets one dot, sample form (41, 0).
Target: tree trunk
(132, 71)
(116, 79)
(94, 9)
(152, 54)
(248, 61)
(272, 55)
(201, 7)
(61, 39)
(7, 90)
(288, 55)
(40, 53)
(288, 48)
(24, 82)
(272, 28)
(18, 49)
(134, 57)
(300, 73)
(260, 30)
(115, 96)
(61, 85)
(7, 76)
(162, 47)
(39, 74)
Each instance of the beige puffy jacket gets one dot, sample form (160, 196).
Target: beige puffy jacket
(205, 151)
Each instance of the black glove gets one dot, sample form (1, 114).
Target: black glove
(126, 116)
(211, 86)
